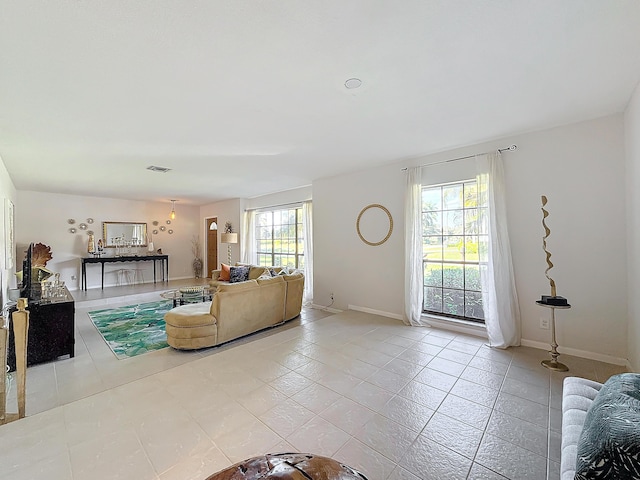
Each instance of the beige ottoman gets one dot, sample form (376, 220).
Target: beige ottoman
(191, 326)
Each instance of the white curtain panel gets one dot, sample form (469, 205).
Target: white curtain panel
(413, 273)
(307, 233)
(499, 297)
(249, 253)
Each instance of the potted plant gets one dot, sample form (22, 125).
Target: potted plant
(197, 261)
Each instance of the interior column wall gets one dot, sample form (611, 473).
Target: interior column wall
(7, 193)
(632, 137)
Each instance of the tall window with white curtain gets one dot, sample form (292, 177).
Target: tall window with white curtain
(457, 246)
(279, 237)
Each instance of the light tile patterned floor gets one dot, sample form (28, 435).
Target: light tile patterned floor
(396, 402)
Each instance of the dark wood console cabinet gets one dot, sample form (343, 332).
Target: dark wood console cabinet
(51, 331)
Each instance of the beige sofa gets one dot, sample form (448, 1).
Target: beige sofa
(236, 309)
(294, 287)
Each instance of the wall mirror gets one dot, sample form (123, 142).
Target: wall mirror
(136, 233)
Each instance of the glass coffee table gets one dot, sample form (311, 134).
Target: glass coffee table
(184, 295)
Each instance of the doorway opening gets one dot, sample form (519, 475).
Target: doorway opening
(211, 225)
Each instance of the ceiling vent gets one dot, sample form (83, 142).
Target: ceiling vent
(153, 168)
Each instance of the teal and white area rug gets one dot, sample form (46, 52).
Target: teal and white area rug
(134, 329)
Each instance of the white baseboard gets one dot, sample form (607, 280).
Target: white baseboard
(325, 308)
(375, 312)
(600, 357)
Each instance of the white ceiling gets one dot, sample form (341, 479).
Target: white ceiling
(245, 97)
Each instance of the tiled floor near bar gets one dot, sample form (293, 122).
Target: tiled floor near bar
(396, 402)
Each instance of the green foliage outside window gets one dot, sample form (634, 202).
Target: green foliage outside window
(454, 241)
(279, 238)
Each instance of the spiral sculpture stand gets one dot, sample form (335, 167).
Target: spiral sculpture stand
(547, 232)
(553, 301)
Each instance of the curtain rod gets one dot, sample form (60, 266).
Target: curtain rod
(266, 207)
(510, 148)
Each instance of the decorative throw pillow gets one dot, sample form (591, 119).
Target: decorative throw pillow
(255, 272)
(272, 272)
(238, 274)
(284, 271)
(609, 445)
(225, 273)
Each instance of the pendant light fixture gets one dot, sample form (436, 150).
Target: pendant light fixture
(172, 215)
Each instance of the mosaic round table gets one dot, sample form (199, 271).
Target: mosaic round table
(289, 466)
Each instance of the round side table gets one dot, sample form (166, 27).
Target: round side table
(553, 364)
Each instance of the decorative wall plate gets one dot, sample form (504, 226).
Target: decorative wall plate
(168, 222)
(170, 232)
(89, 220)
(72, 230)
(71, 221)
(155, 232)
(82, 226)
(155, 223)
(163, 228)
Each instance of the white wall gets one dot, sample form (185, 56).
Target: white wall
(356, 273)
(579, 167)
(632, 137)
(7, 192)
(42, 217)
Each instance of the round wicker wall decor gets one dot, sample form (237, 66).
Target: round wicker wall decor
(368, 242)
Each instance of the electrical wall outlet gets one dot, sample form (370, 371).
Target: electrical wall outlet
(544, 323)
(73, 277)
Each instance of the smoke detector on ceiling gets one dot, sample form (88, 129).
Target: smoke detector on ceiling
(353, 83)
(154, 168)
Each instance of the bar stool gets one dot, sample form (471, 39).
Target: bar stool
(124, 277)
(138, 275)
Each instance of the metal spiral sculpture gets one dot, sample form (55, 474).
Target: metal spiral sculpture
(547, 232)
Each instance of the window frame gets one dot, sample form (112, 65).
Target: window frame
(297, 240)
(477, 232)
